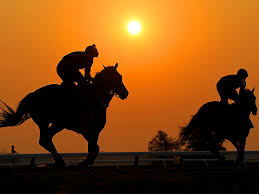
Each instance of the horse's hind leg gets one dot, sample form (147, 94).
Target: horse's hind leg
(213, 147)
(93, 149)
(45, 141)
(215, 151)
(241, 150)
(238, 146)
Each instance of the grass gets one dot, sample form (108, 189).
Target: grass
(128, 179)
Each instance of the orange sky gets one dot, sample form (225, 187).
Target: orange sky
(170, 68)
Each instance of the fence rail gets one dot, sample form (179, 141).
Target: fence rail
(118, 154)
(135, 157)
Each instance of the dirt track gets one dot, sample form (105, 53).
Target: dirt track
(144, 179)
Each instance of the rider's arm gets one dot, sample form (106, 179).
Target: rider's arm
(87, 72)
(82, 60)
(243, 83)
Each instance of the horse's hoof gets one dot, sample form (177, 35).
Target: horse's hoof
(72, 166)
(59, 165)
(82, 164)
(240, 164)
(222, 158)
(76, 167)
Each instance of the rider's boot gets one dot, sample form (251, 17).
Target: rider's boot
(84, 83)
(69, 87)
(224, 102)
(237, 101)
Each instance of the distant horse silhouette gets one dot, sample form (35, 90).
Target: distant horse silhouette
(54, 108)
(215, 122)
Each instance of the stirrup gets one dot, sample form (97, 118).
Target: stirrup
(226, 104)
(68, 85)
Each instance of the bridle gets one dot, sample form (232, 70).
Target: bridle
(114, 94)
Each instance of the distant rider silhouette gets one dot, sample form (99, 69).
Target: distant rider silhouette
(227, 86)
(68, 67)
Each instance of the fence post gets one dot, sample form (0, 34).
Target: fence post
(117, 164)
(181, 161)
(32, 163)
(136, 161)
(245, 164)
(164, 163)
(206, 163)
(13, 152)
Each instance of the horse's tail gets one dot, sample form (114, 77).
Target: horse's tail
(9, 117)
(186, 132)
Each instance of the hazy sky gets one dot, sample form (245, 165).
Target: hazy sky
(170, 68)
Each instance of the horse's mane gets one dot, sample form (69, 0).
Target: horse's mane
(99, 75)
(246, 90)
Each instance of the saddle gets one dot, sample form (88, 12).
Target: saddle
(81, 94)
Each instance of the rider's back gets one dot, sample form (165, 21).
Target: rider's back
(75, 60)
(230, 81)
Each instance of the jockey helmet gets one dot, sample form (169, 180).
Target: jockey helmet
(242, 73)
(92, 50)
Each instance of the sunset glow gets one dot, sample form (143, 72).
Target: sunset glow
(171, 55)
(134, 27)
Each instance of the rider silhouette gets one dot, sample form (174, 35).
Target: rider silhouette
(227, 86)
(68, 67)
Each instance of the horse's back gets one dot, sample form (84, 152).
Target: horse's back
(213, 114)
(219, 109)
(225, 118)
(211, 107)
(48, 88)
(46, 97)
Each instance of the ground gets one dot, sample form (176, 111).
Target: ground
(190, 178)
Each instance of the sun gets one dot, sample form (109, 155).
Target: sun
(134, 27)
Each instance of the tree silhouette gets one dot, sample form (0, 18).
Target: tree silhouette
(196, 144)
(161, 142)
(197, 141)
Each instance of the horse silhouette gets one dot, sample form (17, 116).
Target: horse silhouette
(216, 121)
(79, 109)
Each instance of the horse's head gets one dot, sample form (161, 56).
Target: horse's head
(248, 99)
(110, 80)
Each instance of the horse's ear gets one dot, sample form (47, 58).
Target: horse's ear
(104, 67)
(253, 89)
(116, 65)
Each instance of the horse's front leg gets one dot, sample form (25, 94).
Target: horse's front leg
(238, 146)
(213, 146)
(242, 144)
(93, 148)
(214, 150)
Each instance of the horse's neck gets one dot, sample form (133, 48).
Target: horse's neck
(242, 110)
(102, 95)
